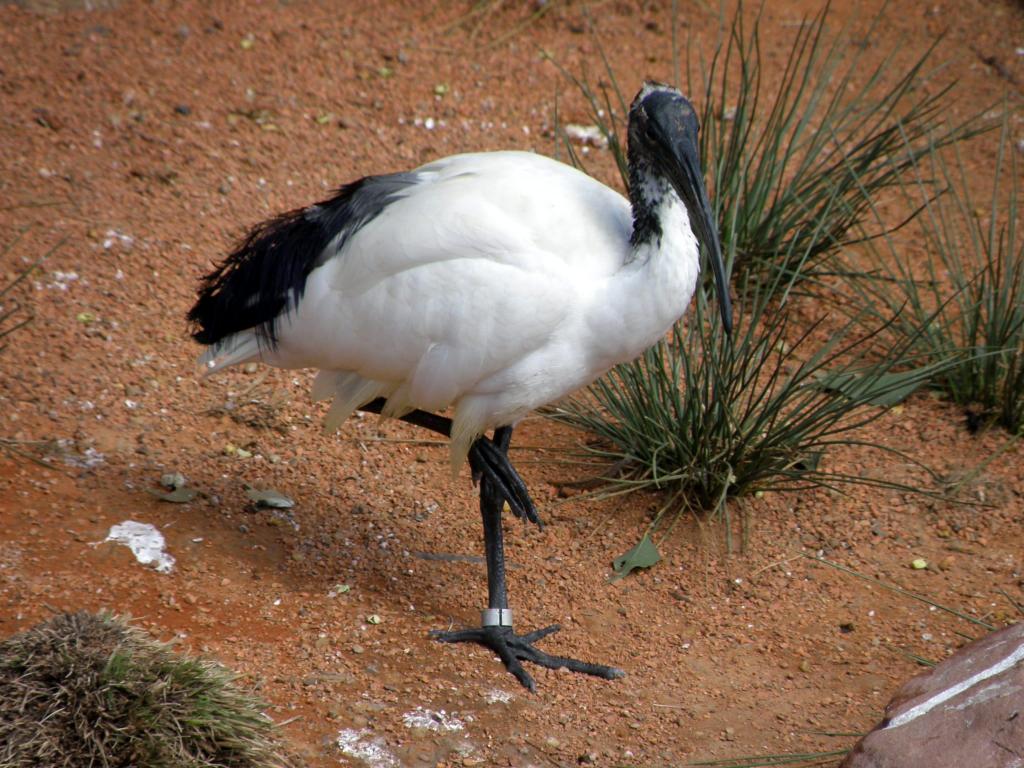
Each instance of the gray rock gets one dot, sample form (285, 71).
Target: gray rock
(967, 711)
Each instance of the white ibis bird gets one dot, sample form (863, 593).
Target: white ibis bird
(490, 284)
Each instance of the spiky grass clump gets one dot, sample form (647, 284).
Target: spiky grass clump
(90, 690)
(969, 303)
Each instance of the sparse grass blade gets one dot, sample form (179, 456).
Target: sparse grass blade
(13, 314)
(899, 590)
(919, 660)
(791, 760)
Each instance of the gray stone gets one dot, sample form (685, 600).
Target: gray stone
(967, 711)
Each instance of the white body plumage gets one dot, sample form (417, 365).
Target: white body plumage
(494, 283)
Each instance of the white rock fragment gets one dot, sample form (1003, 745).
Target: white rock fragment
(497, 696)
(112, 237)
(61, 280)
(87, 459)
(362, 746)
(431, 720)
(145, 542)
(586, 134)
(429, 123)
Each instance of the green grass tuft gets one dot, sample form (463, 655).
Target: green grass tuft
(968, 304)
(84, 689)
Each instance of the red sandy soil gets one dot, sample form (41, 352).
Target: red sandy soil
(140, 142)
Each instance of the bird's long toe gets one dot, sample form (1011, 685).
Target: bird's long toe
(513, 649)
(486, 460)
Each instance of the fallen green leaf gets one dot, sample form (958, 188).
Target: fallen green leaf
(180, 495)
(886, 389)
(643, 555)
(810, 462)
(373, 618)
(919, 564)
(269, 498)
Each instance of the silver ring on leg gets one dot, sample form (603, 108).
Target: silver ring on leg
(496, 617)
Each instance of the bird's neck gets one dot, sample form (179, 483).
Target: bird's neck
(653, 199)
(655, 284)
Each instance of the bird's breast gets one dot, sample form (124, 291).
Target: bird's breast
(640, 303)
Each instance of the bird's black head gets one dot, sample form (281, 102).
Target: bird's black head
(663, 134)
(660, 113)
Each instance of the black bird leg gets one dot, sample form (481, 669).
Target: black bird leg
(500, 483)
(496, 632)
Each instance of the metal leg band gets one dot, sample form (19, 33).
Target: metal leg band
(496, 617)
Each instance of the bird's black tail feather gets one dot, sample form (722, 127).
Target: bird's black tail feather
(265, 276)
(259, 280)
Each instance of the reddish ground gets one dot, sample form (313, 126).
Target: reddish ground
(139, 143)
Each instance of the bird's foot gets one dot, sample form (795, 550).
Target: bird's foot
(512, 649)
(487, 461)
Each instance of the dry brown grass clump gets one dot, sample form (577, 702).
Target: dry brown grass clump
(90, 690)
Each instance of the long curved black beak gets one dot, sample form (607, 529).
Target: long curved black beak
(689, 183)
